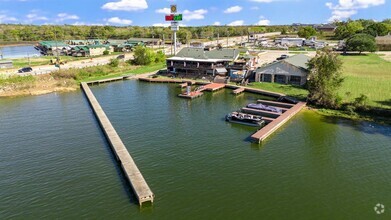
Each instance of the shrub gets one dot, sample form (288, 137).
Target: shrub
(106, 52)
(114, 62)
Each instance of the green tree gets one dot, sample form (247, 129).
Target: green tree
(361, 42)
(184, 36)
(377, 29)
(306, 32)
(348, 29)
(144, 56)
(160, 56)
(114, 62)
(324, 79)
(106, 52)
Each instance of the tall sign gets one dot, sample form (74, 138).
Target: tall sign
(174, 18)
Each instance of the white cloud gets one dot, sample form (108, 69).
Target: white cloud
(341, 15)
(117, 20)
(65, 16)
(217, 23)
(35, 17)
(161, 25)
(346, 8)
(5, 18)
(236, 23)
(78, 23)
(163, 11)
(126, 5)
(233, 9)
(254, 8)
(194, 15)
(263, 22)
(354, 4)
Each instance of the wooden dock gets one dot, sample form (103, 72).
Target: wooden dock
(238, 91)
(266, 131)
(129, 167)
(212, 87)
(192, 95)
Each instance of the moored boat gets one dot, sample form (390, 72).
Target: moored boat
(263, 107)
(245, 119)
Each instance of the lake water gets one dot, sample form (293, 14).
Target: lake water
(19, 52)
(55, 162)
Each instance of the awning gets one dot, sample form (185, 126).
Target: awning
(221, 70)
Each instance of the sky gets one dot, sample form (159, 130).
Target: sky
(195, 12)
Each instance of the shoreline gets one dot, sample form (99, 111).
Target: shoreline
(63, 89)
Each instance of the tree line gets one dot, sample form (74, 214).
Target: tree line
(18, 32)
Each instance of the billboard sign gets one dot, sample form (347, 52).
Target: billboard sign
(173, 17)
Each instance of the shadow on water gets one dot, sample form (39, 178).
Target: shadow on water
(361, 126)
(124, 181)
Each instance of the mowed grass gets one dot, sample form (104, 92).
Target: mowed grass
(369, 75)
(290, 90)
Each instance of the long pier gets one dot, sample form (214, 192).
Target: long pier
(129, 167)
(266, 131)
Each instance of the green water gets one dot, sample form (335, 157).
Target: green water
(55, 163)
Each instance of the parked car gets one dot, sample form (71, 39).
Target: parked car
(25, 70)
(282, 57)
(121, 57)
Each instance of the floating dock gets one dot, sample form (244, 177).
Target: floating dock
(238, 91)
(192, 95)
(266, 131)
(129, 167)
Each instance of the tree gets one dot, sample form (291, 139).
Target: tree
(144, 56)
(106, 52)
(346, 30)
(306, 32)
(160, 56)
(361, 42)
(377, 29)
(324, 78)
(114, 62)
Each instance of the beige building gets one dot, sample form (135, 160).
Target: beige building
(97, 50)
(384, 42)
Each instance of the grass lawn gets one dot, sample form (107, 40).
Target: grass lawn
(369, 75)
(290, 90)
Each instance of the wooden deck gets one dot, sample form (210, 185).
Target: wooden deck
(212, 87)
(266, 131)
(238, 91)
(192, 95)
(129, 167)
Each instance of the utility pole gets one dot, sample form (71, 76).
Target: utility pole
(218, 38)
(58, 59)
(227, 38)
(28, 58)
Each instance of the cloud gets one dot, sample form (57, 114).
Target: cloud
(5, 19)
(117, 20)
(194, 15)
(217, 23)
(65, 16)
(236, 23)
(78, 23)
(346, 8)
(254, 8)
(233, 9)
(341, 15)
(161, 25)
(35, 17)
(354, 4)
(126, 5)
(263, 22)
(163, 11)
